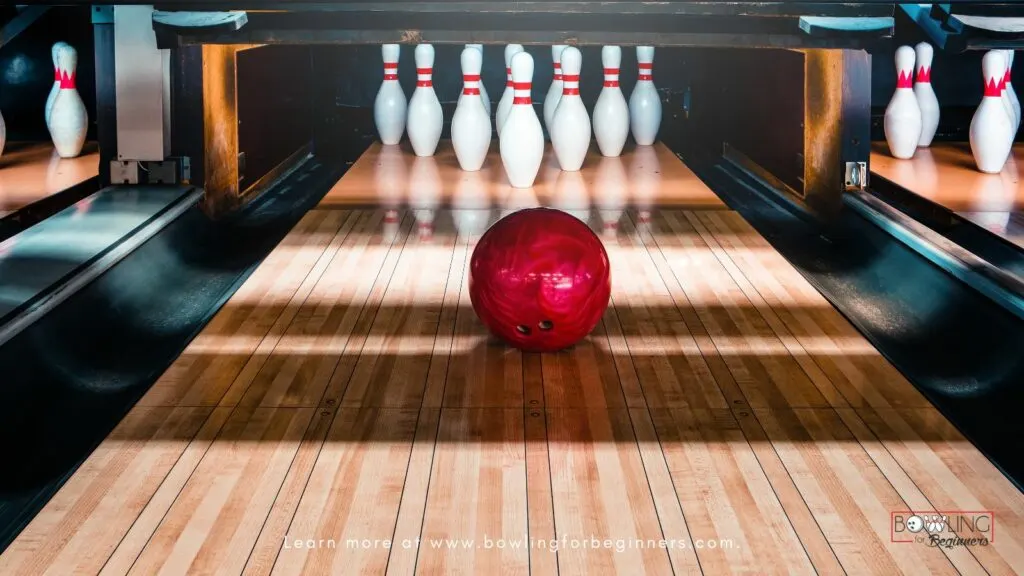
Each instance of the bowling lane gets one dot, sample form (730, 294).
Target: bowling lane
(945, 174)
(345, 402)
(30, 172)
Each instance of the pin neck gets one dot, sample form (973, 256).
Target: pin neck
(645, 72)
(522, 93)
(423, 77)
(924, 75)
(391, 70)
(56, 75)
(558, 72)
(472, 84)
(611, 77)
(571, 86)
(508, 77)
(67, 81)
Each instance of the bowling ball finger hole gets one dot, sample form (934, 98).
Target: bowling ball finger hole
(523, 329)
(546, 325)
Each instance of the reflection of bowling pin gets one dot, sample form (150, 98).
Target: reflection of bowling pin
(522, 141)
(570, 195)
(903, 115)
(644, 102)
(991, 131)
(611, 114)
(425, 116)
(68, 117)
(424, 193)
(471, 207)
(610, 192)
(54, 52)
(555, 90)
(570, 126)
(471, 127)
(925, 95)
(390, 176)
(643, 181)
(505, 104)
(389, 108)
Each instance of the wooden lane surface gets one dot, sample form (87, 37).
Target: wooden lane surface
(31, 172)
(722, 415)
(642, 176)
(946, 174)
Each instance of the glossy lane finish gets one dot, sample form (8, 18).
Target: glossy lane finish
(539, 279)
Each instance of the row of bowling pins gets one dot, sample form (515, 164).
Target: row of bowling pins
(912, 116)
(564, 113)
(66, 117)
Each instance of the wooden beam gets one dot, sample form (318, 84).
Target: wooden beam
(220, 130)
(837, 118)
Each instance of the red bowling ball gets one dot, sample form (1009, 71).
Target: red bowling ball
(539, 279)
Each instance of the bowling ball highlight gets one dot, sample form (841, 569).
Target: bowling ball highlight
(539, 279)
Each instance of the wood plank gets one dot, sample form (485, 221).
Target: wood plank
(351, 329)
(861, 375)
(85, 521)
(391, 176)
(540, 507)
(346, 517)
(395, 359)
(759, 362)
(477, 495)
(670, 366)
(951, 474)
(600, 492)
(217, 517)
(727, 498)
(298, 370)
(203, 373)
(851, 499)
(31, 171)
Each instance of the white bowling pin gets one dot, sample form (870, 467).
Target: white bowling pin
(425, 118)
(925, 95)
(505, 104)
(644, 102)
(389, 109)
(69, 120)
(903, 115)
(471, 126)
(611, 113)
(1005, 96)
(991, 129)
(555, 91)
(1011, 94)
(522, 140)
(570, 126)
(483, 90)
(54, 52)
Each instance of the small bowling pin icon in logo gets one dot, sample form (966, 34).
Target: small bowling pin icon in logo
(934, 523)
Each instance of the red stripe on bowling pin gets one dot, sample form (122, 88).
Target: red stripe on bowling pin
(571, 85)
(469, 90)
(645, 72)
(611, 77)
(423, 77)
(391, 70)
(522, 93)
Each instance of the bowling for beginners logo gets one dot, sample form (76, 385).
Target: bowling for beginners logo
(944, 529)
